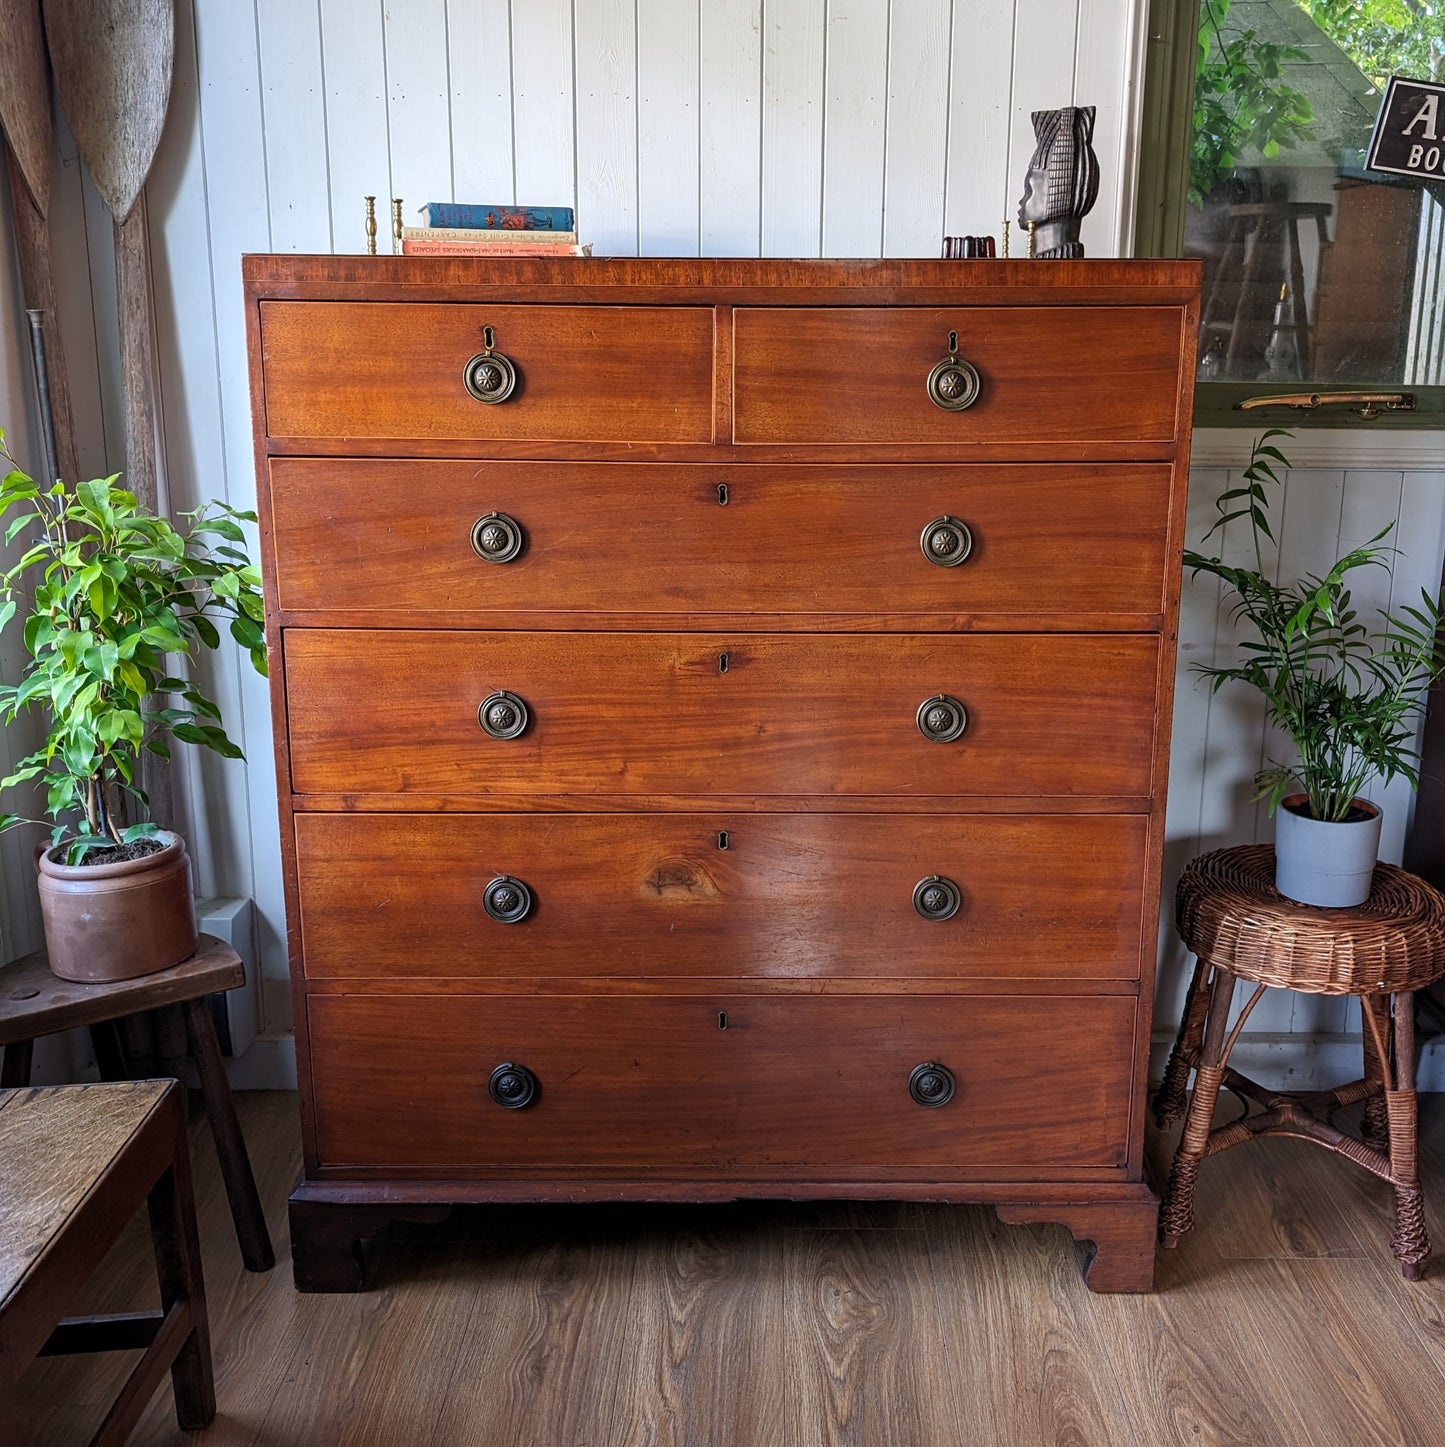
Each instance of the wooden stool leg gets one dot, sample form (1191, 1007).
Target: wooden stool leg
(1410, 1243)
(1374, 1129)
(251, 1233)
(178, 1266)
(1176, 1216)
(15, 1070)
(1172, 1095)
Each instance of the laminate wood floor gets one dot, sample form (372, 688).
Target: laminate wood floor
(1281, 1321)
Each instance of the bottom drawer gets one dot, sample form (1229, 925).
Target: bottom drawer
(659, 1083)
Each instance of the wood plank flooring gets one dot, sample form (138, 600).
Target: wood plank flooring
(1282, 1320)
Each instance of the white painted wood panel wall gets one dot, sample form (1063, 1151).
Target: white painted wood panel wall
(680, 127)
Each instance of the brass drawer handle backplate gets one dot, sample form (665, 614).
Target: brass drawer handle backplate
(513, 1087)
(503, 715)
(507, 900)
(942, 718)
(497, 538)
(931, 1084)
(946, 541)
(489, 376)
(937, 897)
(954, 384)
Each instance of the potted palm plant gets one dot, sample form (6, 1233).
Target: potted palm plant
(110, 594)
(1348, 695)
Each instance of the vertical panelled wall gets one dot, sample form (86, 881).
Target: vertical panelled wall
(731, 127)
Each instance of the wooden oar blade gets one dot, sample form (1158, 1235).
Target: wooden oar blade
(113, 61)
(25, 95)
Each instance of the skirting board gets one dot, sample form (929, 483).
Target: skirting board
(1285, 1062)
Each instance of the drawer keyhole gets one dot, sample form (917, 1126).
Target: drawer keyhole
(722, 494)
(722, 663)
(722, 839)
(722, 1019)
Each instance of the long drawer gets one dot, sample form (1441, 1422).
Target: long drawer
(403, 1083)
(405, 896)
(396, 369)
(392, 537)
(1048, 374)
(655, 713)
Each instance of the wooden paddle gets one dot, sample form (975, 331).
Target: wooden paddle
(28, 147)
(113, 61)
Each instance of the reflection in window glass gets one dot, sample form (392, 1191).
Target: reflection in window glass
(1315, 270)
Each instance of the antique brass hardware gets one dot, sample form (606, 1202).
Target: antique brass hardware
(489, 376)
(954, 384)
(722, 838)
(497, 538)
(722, 1019)
(936, 897)
(722, 494)
(722, 663)
(513, 1087)
(931, 1084)
(503, 715)
(946, 541)
(942, 718)
(507, 900)
(1367, 405)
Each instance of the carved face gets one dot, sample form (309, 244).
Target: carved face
(1034, 203)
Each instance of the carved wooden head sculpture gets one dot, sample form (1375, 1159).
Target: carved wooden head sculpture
(1063, 180)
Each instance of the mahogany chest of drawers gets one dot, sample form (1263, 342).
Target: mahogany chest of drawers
(721, 720)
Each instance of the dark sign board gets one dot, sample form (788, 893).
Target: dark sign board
(1409, 137)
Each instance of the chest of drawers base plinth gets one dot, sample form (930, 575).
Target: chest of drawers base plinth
(721, 718)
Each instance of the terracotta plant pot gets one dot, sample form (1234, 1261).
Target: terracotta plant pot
(117, 921)
(1324, 862)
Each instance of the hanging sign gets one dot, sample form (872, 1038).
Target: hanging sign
(1409, 137)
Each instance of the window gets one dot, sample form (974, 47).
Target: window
(1318, 274)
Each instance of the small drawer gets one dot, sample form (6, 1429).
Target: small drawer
(761, 895)
(396, 370)
(1046, 374)
(623, 1083)
(389, 712)
(1056, 543)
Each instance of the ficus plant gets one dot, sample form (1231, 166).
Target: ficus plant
(1348, 695)
(110, 593)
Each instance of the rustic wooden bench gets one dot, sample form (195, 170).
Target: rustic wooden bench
(76, 1163)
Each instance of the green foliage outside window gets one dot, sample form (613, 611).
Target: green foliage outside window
(1386, 37)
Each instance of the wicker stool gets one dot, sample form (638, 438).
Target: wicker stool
(1239, 926)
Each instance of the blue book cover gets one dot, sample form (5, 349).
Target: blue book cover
(497, 218)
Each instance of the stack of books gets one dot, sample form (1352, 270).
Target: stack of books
(456, 228)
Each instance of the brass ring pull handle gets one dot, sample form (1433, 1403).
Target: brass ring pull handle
(942, 718)
(937, 897)
(489, 376)
(931, 1084)
(507, 900)
(503, 715)
(954, 384)
(497, 538)
(513, 1087)
(945, 541)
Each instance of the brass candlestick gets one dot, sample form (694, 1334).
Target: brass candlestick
(396, 225)
(1005, 238)
(1032, 224)
(371, 225)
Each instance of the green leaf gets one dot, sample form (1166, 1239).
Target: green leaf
(247, 632)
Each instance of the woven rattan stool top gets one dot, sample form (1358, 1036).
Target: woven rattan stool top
(1229, 913)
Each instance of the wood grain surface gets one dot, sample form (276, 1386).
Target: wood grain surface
(841, 375)
(399, 896)
(25, 99)
(54, 1146)
(656, 712)
(789, 1083)
(369, 369)
(392, 539)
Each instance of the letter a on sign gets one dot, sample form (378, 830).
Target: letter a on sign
(1410, 120)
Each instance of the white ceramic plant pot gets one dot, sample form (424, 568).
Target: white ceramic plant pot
(1321, 862)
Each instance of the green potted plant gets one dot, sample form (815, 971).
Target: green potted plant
(1347, 695)
(109, 592)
